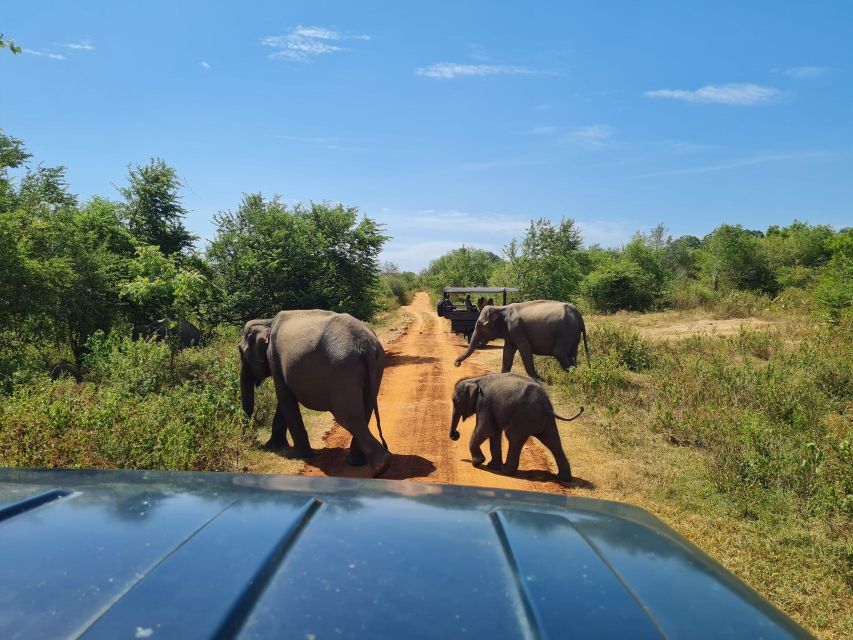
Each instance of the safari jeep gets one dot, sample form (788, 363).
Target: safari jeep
(462, 306)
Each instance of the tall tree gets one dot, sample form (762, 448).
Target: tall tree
(266, 258)
(153, 207)
(548, 263)
(12, 156)
(463, 267)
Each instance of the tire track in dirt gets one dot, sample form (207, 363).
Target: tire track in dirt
(415, 407)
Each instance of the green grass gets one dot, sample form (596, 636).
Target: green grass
(743, 443)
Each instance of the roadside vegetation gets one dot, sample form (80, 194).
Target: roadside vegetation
(742, 442)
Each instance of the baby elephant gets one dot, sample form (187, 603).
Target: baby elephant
(513, 403)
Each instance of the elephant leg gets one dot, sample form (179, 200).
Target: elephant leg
(350, 414)
(289, 407)
(509, 356)
(550, 437)
(513, 456)
(564, 359)
(520, 341)
(355, 457)
(278, 438)
(496, 463)
(483, 430)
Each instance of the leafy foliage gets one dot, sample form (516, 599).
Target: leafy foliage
(267, 257)
(463, 267)
(153, 207)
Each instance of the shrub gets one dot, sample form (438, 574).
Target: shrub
(137, 415)
(740, 304)
(624, 344)
(619, 285)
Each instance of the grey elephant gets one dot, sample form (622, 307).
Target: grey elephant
(325, 361)
(538, 327)
(189, 334)
(64, 369)
(513, 404)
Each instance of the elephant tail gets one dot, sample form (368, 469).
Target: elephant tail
(371, 394)
(585, 345)
(577, 415)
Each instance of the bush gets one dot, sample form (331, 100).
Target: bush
(137, 414)
(623, 344)
(619, 285)
(740, 304)
(690, 294)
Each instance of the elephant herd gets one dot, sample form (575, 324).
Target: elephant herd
(333, 362)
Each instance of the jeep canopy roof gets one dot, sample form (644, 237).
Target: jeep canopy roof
(99, 554)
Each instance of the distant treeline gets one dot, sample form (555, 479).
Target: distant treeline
(70, 268)
(732, 268)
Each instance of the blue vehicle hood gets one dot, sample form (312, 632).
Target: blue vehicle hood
(103, 554)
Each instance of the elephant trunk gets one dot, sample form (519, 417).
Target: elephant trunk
(475, 340)
(454, 434)
(247, 390)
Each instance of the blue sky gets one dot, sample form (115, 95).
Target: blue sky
(451, 122)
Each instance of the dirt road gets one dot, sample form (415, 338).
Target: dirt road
(415, 409)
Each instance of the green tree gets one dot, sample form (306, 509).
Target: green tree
(61, 265)
(12, 156)
(266, 258)
(619, 284)
(153, 207)
(548, 263)
(463, 267)
(732, 260)
(834, 290)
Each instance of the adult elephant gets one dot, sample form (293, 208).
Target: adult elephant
(189, 334)
(325, 361)
(538, 327)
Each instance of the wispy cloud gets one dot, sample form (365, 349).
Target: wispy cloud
(45, 54)
(204, 64)
(750, 161)
(84, 45)
(596, 135)
(806, 72)
(734, 93)
(450, 70)
(327, 143)
(538, 131)
(301, 44)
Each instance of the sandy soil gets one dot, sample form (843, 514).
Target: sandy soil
(676, 326)
(415, 410)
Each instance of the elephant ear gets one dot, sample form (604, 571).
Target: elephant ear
(473, 391)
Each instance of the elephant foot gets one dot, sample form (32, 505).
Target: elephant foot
(478, 460)
(302, 454)
(380, 462)
(564, 477)
(495, 465)
(277, 444)
(355, 458)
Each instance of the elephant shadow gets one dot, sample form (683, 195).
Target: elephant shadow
(393, 359)
(332, 462)
(540, 475)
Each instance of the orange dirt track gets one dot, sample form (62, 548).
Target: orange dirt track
(415, 408)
